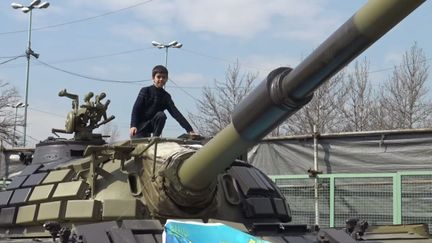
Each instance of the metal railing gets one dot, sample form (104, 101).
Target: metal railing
(379, 198)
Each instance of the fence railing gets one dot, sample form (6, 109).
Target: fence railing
(379, 198)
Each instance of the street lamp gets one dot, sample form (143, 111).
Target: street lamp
(29, 52)
(172, 44)
(18, 105)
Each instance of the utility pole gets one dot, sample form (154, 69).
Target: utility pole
(29, 52)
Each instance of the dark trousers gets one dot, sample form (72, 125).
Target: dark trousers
(155, 126)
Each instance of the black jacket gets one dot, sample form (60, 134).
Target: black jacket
(151, 100)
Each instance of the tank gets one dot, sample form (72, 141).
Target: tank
(126, 192)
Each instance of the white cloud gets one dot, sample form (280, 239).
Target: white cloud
(305, 20)
(225, 17)
(243, 18)
(313, 32)
(140, 32)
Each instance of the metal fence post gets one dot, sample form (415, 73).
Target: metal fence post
(397, 199)
(332, 201)
(316, 193)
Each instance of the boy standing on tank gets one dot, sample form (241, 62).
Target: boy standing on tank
(148, 115)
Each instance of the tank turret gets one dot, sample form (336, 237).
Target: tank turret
(133, 187)
(80, 122)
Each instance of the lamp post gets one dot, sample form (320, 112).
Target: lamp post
(29, 52)
(18, 105)
(172, 44)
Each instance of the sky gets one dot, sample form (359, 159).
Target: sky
(86, 45)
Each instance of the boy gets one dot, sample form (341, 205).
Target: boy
(148, 111)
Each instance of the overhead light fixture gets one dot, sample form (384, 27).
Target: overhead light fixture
(34, 3)
(43, 5)
(16, 5)
(19, 104)
(155, 43)
(173, 43)
(26, 9)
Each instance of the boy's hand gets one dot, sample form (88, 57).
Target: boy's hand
(132, 131)
(192, 133)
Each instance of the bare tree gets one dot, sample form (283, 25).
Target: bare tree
(321, 111)
(218, 103)
(404, 98)
(8, 98)
(379, 116)
(357, 106)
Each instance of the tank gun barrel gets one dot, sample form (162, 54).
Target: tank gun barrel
(285, 91)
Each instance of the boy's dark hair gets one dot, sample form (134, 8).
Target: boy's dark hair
(159, 69)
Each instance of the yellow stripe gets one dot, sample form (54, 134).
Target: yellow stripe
(378, 16)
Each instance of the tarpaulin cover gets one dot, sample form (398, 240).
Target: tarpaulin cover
(367, 152)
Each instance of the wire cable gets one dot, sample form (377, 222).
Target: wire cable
(79, 20)
(7, 57)
(220, 59)
(46, 112)
(93, 78)
(181, 88)
(259, 69)
(101, 56)
(28, 136)
(89, 57)
(205, 55)
(400, 66)
(13, 58)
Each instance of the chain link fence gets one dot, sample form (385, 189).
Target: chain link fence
(416, 199)
(378, 198)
